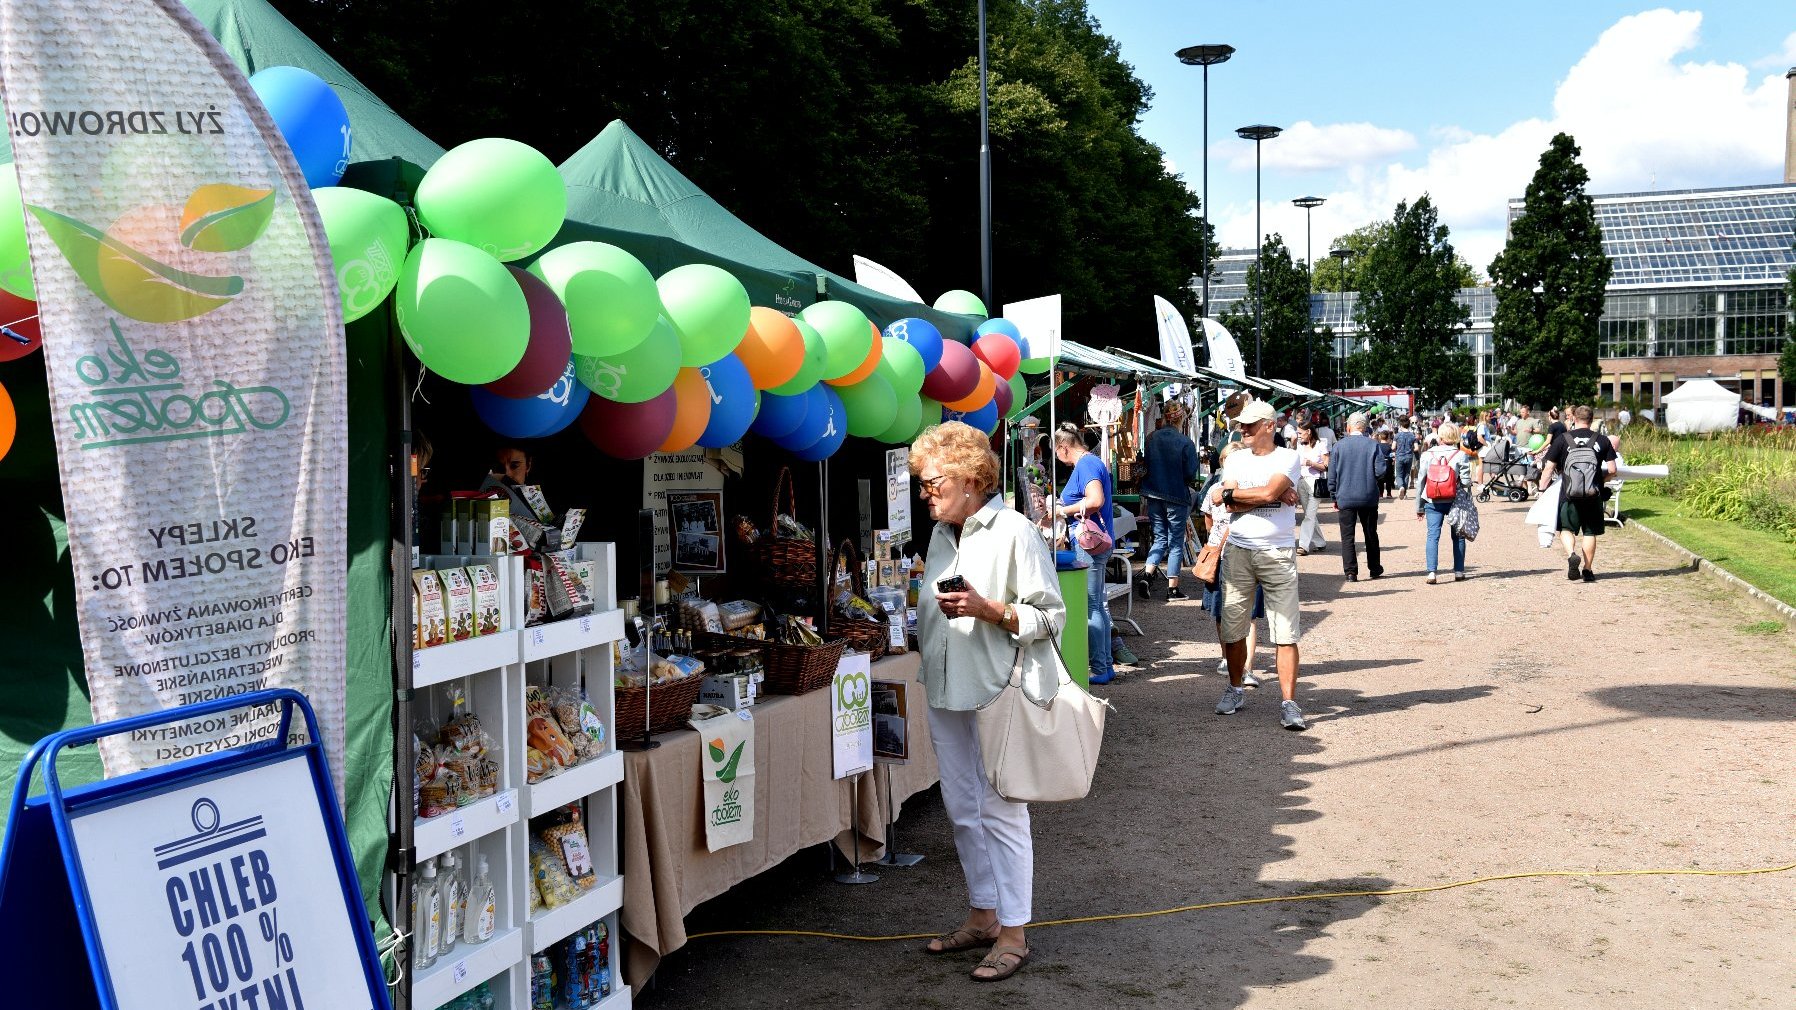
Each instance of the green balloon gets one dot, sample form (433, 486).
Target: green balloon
(709, 307)
(637, 375)
(501, 196)
(812, 369)
(1035, 366)
(962, 303)
(932, 414)
(15, 256)
(847, 336)
(611, 300)
(1019, 395)
(461, 312)
(368, 236)
(905, 365)
(904, 425)
(871, 406)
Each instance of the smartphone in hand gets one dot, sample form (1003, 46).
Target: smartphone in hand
(951, 584)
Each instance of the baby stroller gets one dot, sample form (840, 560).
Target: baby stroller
(1508, 471)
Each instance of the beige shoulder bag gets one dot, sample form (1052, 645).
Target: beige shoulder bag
(1041, 752)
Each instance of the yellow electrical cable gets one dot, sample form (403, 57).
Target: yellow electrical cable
(1277, 899)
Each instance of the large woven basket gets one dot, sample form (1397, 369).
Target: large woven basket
(871, 637)
(788, 561)
(671, 705)
(791, 669)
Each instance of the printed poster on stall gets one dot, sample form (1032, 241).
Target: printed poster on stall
(851, 715)
(727, 772)
(223, 893)
(196, 375)
(898, 491)
(662, 472)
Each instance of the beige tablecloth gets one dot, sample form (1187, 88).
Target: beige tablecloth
(798, 803)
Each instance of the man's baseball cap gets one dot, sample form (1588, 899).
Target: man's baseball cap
(1257, 410)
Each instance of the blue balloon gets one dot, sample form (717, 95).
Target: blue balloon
(732, 402)
(1006, 327)
(922, 335)
(835, 430)
(816, 419)
(538, 416)
(985, 418)
(311, 117)
(781, 415)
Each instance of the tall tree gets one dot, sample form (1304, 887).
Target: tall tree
(1334, 275)
(1550, 279)
(1786, 363)
(1407, 310)
(1285, 317)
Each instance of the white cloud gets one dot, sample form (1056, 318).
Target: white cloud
(1785, 57)
(1643, 119)
(1307, 147)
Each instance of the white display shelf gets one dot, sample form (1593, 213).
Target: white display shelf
(559, 638)
(619, 998)
(464, 658)
(438, 835)
(556, 924)
(466, 967)
(576, 783)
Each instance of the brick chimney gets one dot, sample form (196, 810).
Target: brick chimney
(1790, 129)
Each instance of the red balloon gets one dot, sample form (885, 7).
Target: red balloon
(1000, 352)
(545, 357)
(629, 430)
(955, 377)
(1005, 396)
(19, 318)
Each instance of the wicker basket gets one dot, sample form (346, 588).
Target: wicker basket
(867, 636)
(788, 561)
(672, 706)
(791, 669)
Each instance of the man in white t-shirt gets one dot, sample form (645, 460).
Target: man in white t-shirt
(1259, 488)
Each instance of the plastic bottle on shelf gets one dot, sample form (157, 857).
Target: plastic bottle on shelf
(577, 965)
(427, 916)
(914, 581)
(542, 982)
(455, 902)
(602, 961)
(482, 914)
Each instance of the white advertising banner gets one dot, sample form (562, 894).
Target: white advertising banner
(883, 279)
(1175, 338)
(727, 775)
(851, 715)
(1225, 356)
(196, 371)
(1038, 319)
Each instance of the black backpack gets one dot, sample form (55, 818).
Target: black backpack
(1583, 469)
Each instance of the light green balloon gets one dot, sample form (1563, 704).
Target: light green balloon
(905, 423)
(962, 303)
(611, 300)
(811, 371)
(1035, 366)
(905, 365)
(847, 336)
(501, 196)
(1019, 395)
(461, 312)
(709, 308)
(637, 375)
(871, 405)
(932, 414)
(15, 256)
(368, 236)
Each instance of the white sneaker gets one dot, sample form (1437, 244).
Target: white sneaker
(1249, 680)
(1431, 579)
(1222, 665)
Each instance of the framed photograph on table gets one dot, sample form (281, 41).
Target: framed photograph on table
(696, 521)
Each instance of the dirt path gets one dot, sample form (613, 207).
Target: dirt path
(1513, 722)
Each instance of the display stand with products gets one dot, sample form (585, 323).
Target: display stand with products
(536, 705)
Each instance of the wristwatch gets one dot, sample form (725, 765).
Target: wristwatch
(1228, 497)
(1009, 612)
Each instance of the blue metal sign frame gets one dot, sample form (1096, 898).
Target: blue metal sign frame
(44, 914)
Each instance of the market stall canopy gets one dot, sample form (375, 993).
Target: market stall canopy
(257, 37)
(1080, 359)
(1226, 379)
(620, 190)
(1701, 405)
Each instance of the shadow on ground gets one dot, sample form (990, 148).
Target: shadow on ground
(1704, 701)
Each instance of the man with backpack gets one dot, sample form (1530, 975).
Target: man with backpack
(1585, 461)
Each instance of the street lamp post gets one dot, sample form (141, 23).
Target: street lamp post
(1309, 203)
(1345, 255)
(1257, 133)
(1205, 56)
(985, 174)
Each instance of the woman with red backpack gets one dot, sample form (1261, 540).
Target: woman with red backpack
(1447, 474)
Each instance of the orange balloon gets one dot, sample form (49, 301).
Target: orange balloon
(866, 367)
(773, 349)
(981, 394)
(692, 410)
(9, 423)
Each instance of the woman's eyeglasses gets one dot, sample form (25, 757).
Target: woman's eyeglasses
(930, 487)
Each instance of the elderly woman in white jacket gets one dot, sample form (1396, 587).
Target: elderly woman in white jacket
(989, 589)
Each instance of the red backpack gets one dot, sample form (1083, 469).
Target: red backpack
(1442, 479)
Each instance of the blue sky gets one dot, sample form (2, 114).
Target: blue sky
(1384, 101)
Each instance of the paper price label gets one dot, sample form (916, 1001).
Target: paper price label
(459, 973)
(503, 803)
(457, 826)
(585, 625)
(536, 636)
(417, 662)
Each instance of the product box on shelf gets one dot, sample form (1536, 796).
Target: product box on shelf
(458, 603)
(730, 691)
(492, 526)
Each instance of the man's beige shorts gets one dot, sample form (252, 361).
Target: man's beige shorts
(1275, 571)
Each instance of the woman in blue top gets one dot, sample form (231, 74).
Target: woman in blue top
(1088, 492)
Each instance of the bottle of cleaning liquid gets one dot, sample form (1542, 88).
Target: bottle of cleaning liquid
(427, 916)
(483, 908)
(454, 898)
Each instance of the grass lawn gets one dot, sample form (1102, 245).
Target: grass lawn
(1766, 561)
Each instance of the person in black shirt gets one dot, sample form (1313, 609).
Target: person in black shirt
(1580, 517)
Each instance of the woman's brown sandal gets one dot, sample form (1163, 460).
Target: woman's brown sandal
(1004, 968)
(962, 939)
